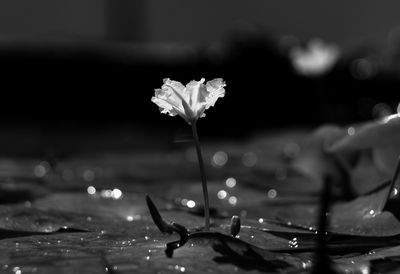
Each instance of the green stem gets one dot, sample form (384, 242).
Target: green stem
(393, 183)
(203, 176)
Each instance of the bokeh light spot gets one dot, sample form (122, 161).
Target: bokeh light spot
(219, 159)
(230, 182)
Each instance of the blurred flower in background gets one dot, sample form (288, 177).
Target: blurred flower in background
(316, 59)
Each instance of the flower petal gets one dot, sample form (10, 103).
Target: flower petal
(167, 94)
(215, 89)
(168, 100)
(197, 92)
(193, 88)
(176, 88)
(191, 101)
(164, 106)
(175, 84)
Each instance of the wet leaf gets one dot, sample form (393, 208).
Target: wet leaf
(6, 233)
(362, 216)
(276, 203)
(30, 220)
(382, 137)
(249, 256)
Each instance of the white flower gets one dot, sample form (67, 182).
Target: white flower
(317, 59)
(191, 101)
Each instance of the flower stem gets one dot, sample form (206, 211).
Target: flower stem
(392, 184)
(203, 176)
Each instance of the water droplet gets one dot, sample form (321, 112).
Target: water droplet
(219, 159)
(17, 270)
(91, 190)
(230, 182)
(184, 202)
(306, 264)
(179, 268)
(222, 194)
(293, 243)
(134, 217)
(41, 169)
(116, 193)
(108, 193)
(371, 214)
(191, 204)
(351, 131)
(232, 200)
(272, 193)
(365, 269)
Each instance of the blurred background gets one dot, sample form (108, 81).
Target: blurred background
(74, 67)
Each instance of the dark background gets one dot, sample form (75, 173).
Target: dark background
(90, 65)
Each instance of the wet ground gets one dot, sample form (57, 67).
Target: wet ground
(87, 213)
